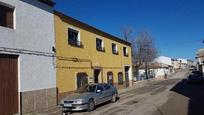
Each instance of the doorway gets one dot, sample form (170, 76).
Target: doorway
(127, 68)
(82, 79)
(8, 84)
(96, 75)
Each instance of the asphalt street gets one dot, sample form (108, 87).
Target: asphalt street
(172, 96)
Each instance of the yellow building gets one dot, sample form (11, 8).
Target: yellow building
(88, 55)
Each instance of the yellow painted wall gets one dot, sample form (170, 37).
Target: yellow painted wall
(67, 68)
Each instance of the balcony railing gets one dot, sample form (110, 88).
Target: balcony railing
(126, 54)
(115, 52)
(100, 48)
(75, 43)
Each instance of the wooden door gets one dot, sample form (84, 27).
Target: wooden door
(110, 78)
(8, 84)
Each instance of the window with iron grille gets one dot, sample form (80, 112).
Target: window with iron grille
(125, 52)
(99, 45)
(74, 37)
(114, 49)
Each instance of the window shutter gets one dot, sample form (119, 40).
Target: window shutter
(9, 18)
(2, 16)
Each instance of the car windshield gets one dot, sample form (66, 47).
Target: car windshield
(86, 88)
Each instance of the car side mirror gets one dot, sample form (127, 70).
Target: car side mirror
(98, 91)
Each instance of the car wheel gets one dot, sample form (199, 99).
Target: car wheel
(91, 105)
(65, 113)
(114, 98)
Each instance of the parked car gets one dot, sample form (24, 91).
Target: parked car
(195, 78)
(195, 72)
(87, 97)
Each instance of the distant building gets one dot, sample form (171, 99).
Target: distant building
(155, 70)
(184, 63)
(164, 60)
(176, 64)
(159, 68)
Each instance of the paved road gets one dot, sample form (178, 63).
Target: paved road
(155, 97)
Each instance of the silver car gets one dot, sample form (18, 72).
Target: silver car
(87, 97)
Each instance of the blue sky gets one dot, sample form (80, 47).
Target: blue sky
(177, 26)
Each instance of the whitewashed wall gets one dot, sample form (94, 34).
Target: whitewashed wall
(184, 61)
(34, 30)
(163, 60)
(158, 72)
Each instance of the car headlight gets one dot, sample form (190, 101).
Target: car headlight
(78, 101)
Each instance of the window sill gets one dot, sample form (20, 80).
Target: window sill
(100, 49)
(75, 44)
(9, 28)
(115, 53)
(126, 55)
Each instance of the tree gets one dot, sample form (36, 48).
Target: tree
(127, 32)
(143, 51)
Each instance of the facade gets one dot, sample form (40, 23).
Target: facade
(184, 63)
(88, 55)
(155, 70)
(200, 60)
(27, 74)
(164, 60)
(176, 64)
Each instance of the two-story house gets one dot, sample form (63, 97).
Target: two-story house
(86, 54)
(27, 74)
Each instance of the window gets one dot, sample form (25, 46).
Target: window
(6, 16)
(120, 78)
(125, 52)
(74, 37)
(99, 44)
(100, 87)
(106, 86)
(114, 49)
(86, 88)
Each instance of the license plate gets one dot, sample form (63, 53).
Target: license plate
(67, 105)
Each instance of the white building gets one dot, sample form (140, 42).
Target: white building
(27, 74)
(164, 60)
(184, 63)
(155, 70)
(161, 67)
(176, 64)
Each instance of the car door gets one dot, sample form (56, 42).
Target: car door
(107, 92)
(99, 96)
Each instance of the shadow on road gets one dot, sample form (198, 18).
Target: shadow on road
(195, 93)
